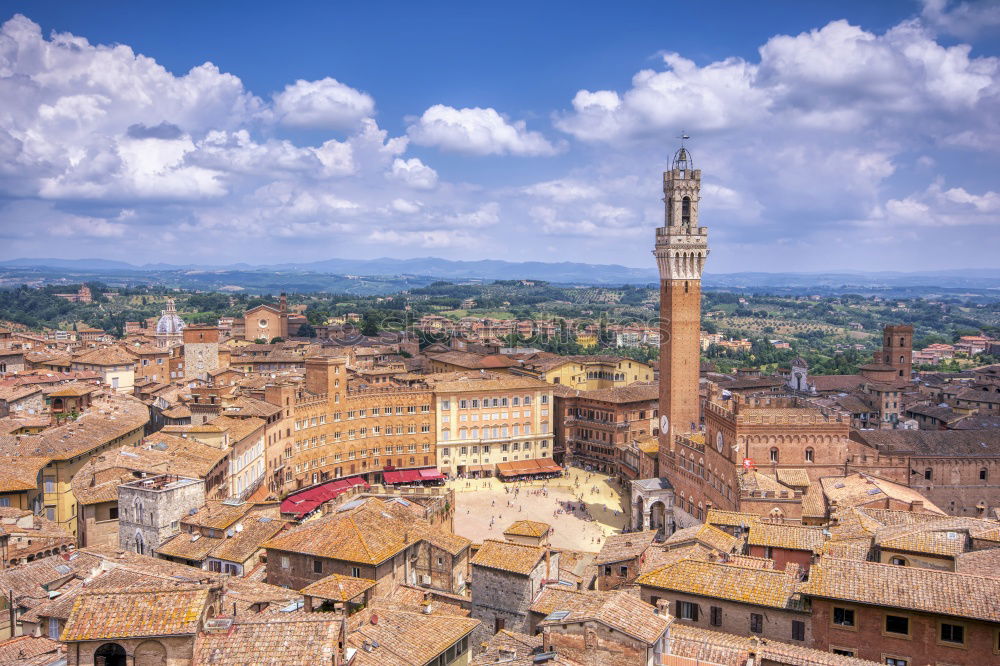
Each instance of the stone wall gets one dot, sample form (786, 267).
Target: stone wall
(955, 484)
(96, 527)
(868, 640)
(594, 644)
(155, 514)
(164, 651)
(501, 595)
(777, 623)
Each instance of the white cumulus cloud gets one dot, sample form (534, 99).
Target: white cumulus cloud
(477, 131)
(324, 104)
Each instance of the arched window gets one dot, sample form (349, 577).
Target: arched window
(774, 454)
(686, 211)
(928, 473)
(984, 474)
(809, 454)
(901, 359)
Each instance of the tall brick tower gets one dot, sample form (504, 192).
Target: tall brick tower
(897, 349)
(681, 250)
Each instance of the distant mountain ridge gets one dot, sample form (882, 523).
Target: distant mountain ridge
(560, 272)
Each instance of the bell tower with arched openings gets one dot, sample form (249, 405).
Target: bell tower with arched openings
(681, 251)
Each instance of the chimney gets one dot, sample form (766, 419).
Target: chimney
(663, 607)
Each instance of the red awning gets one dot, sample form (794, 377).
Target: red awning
(302, 503)
(430, 474)
(530, 466)
(549, 465)
(412, 475)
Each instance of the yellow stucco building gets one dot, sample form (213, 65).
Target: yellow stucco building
(587, 373)
(56, 454)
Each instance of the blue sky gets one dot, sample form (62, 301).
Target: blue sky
(831, 135)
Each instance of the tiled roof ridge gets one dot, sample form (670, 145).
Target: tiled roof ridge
(919, 570)
(361, 538)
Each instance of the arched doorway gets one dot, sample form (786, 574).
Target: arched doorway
(110, 654)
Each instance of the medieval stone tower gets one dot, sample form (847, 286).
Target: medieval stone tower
(681, 250)
(201, 351)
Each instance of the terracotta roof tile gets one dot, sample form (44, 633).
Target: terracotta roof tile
(553, 598)
(107, 420)
(528, 528)
(761, 587)
(730, 650)
(979, 563)
(24, 650)
(407, 638)
(271, 640)
(217, 515)
(731, 518)
(370, 533)
(105, 356)
(705, 534)
(620, 547)
(861, 489)
(338, 587)
(619, 610)
(240, 547)
(792, 537)
(507, 556)
(136, 613)
(909, 588)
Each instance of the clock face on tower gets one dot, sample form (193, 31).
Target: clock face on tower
(664, 424)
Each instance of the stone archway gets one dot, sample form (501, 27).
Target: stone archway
(110, 654)
(657, 515)
(150, 653)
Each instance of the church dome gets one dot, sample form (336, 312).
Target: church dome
(170, 323)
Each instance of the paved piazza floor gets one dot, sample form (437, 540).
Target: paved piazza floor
(482, 510)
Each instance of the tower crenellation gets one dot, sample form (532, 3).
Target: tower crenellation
(681, 243)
